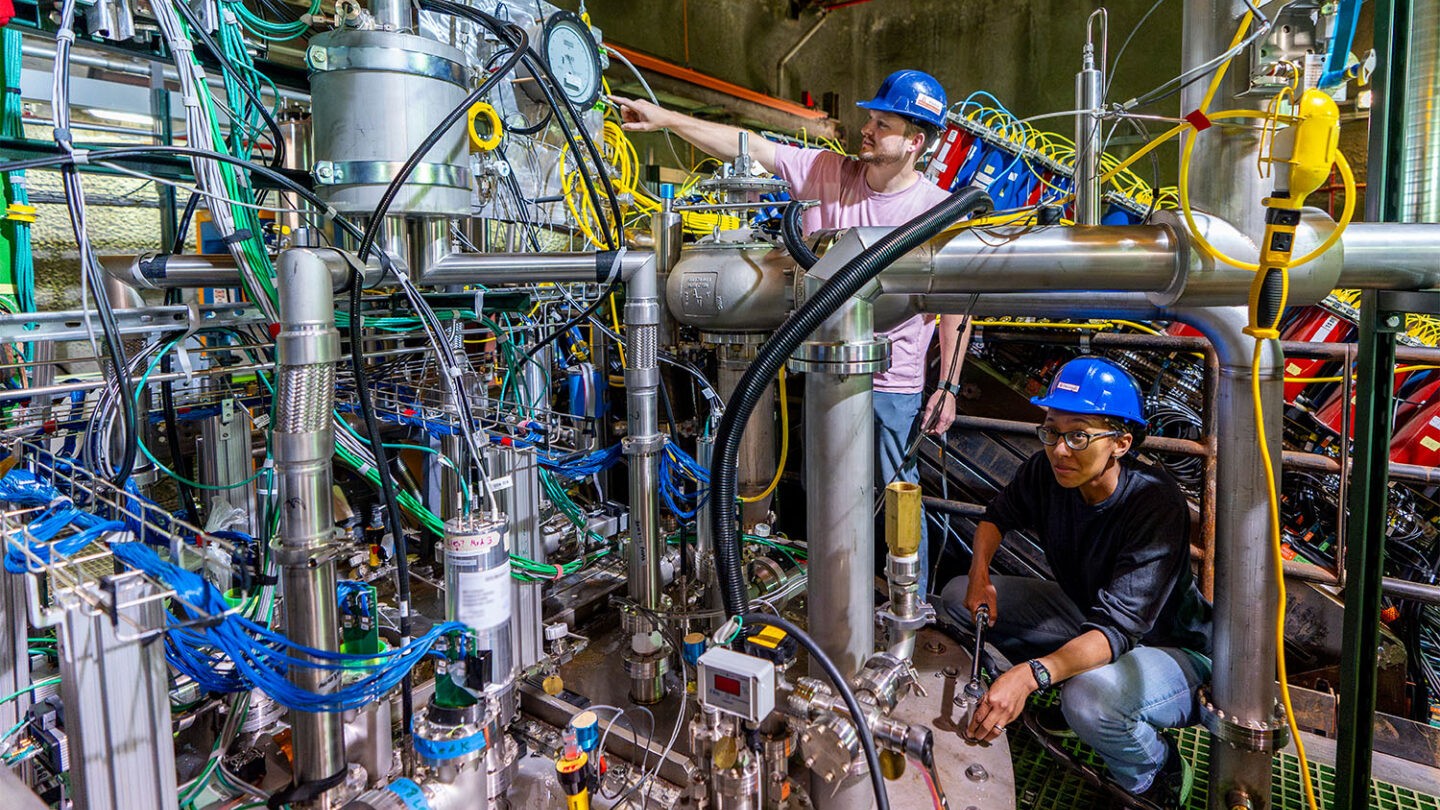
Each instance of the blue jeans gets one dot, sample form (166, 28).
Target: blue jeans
(1117, 709)
(896, 424)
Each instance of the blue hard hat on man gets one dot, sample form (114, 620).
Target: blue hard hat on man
(1092, 386)
(912, 94)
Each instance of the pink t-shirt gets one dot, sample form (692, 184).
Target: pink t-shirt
(847, 201)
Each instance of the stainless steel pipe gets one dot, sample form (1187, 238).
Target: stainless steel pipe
(163, 271)
(643, 442)
(303, 441)
(528, 268)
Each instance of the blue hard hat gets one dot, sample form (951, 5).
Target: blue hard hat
(911, 94)
(1092, 386)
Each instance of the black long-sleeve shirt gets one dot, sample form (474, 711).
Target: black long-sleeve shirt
(1125, 562)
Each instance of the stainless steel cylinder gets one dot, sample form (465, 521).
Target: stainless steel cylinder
(839, 480)
(225, 461)
(757, 456)
(307, 349)
(376, 96)
(738, 787)
(1419, 165)
(477, 586)
(1089, 95)
(295, 131)
(643, 442)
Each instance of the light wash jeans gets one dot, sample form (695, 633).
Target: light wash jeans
(896, 422)
(1118, 709)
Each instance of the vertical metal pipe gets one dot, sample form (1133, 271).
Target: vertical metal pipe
(393, 15)
(307, 348)
(643, 441)
(1224, 180)
(295, 130)
(1418, 164)
(429, 243)
(1243, 678)
(160, 114)
(1089, 96)
(839, 480)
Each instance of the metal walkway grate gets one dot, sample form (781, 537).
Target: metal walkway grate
(1041, 785)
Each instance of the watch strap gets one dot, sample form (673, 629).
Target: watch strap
(950, 388)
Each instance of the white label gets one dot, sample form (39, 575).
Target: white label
(1064, 386)
(483, 597)
(1435, 421)
(930, 103)
(502, 483)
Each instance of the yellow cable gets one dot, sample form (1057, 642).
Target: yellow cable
(1398, 370)
(784, 443)
(615, 319)
(1139, 326)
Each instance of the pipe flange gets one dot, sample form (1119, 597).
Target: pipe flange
(1249, 735)
(859, 357)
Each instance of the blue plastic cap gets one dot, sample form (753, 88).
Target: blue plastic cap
(667, 191)
(587, 730)
(1095, 387)
(912, 94)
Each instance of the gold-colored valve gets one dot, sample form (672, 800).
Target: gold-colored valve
(902, 518)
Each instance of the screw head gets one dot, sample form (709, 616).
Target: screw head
(317, 56)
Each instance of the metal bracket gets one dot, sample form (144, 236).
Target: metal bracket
(1392, 306)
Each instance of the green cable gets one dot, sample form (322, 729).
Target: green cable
(32, 687)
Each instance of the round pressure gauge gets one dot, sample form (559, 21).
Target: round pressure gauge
(573, 57)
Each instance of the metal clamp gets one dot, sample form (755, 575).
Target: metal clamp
(862, 357)
(1249, 735)
(381, 172)
(639, 445)
(389, 60)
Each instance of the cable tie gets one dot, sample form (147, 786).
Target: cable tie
(66, 35)
(559, 572)
(241, 235)
(81, 157)
(330, 213)
(1198, 120)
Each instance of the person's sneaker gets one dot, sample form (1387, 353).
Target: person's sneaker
(1171, 788)
(1051, 720)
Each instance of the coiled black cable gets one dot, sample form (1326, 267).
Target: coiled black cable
(846, 282)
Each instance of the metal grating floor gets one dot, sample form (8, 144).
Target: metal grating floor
(1040, 785)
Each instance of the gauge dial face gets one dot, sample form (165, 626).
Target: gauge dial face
(574, 58)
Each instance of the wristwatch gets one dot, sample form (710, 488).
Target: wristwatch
(950, 388)
(1042, 675)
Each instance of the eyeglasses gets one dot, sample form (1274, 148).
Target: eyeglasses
(1076, 440)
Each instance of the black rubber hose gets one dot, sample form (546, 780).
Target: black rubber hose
(794, 238)
(846, 282)
(857, 715)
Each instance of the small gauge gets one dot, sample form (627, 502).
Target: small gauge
(573, 57)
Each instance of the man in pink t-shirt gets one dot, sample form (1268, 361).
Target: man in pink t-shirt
(878, 187)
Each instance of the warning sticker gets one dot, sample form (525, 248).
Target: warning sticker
(1429, 443)
(1064, 386)
(1292, 369)
(930, 103)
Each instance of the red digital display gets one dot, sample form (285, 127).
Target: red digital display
(729, 686)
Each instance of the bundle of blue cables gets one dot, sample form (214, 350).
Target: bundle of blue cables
(577, 466)
(33, 545)
(226, 652)
(677, 470)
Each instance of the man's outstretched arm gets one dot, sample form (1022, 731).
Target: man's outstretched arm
(718, 140)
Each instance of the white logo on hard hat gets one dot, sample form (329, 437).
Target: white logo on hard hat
(929, 103)
(1064, 386)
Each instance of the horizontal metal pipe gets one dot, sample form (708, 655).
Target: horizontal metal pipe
(38, 49)
(1409, 473)
(1158, 444)
(527, 268)
(163, 271)
(961, 508)
(1391, 256)
(1138, 258)
(1399, 588)
(1125, 340)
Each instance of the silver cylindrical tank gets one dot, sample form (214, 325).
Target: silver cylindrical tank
(1420, 164)
(376, 95)
(477, 586)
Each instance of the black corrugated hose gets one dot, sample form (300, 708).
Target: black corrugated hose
(794, 237)
(839, 289)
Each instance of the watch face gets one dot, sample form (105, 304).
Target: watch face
(574, 58)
